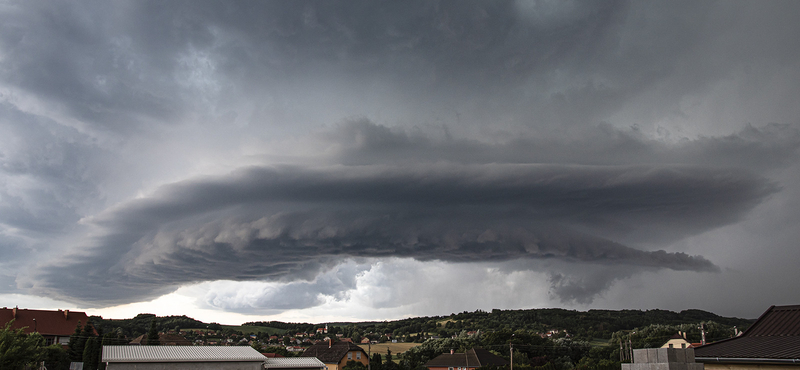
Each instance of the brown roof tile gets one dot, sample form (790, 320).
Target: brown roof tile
(334, 354)
(775, 335)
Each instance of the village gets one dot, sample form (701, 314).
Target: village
(771, 340)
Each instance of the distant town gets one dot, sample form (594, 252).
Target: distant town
(536, 339)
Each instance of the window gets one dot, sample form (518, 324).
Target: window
(349, 355)
(670, 345)
(358, 355)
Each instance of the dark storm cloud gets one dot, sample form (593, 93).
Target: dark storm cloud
(127, 65)
(123, 65)
(566, 132)
(756, 148)
(50, 173)
(286, 223)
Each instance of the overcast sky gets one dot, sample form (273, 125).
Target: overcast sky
(370, 160)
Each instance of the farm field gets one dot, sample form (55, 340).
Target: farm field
(382, 348)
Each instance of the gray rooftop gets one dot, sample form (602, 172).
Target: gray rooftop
(180, 354)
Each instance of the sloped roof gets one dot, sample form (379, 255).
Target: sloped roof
(60, 323)
(777, 321)
(181, 354)
(293, 363)
(775, 335)
(475, 357)
(334, 354)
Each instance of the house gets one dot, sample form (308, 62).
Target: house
(182, 357)
(54, 326)
(294, 363)
(679, 341)
(773, 341)
(335, 355)
(663, 359)
(471, 359)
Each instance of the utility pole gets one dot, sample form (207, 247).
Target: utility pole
(511, 353)
(369, 355)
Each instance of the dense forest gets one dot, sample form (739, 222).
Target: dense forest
(584, 325)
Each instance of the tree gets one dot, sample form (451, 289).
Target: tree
(354, 365)
(91, 354)
(19, 350)
(56, 357)
(376, 362)
(76, 343)
(388, 363)
(152, 335)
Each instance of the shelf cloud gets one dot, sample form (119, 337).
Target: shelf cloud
(290, 158)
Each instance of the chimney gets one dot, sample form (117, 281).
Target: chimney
(452, 351)
(330, 342)
(66, 314)
(703, 334)
(14, 312)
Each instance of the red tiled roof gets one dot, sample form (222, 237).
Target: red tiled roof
(775, 335)
(60, 323)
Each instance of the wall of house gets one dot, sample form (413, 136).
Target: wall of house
(676, 343)
(364, 359)
(185, 366)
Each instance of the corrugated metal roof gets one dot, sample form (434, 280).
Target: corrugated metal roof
(293, 362)
(180, 354)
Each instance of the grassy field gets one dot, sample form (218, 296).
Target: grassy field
(599, 342)
(396, 348)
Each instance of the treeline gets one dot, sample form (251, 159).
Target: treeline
(141, 324)
(583, 325)
(286, 326)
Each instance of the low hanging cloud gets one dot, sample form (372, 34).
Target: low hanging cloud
(289, 224)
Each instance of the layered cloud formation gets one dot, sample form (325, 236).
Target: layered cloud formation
(269, 156)
(288, 222)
